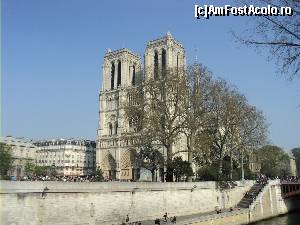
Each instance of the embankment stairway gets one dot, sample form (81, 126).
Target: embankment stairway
(251, 195)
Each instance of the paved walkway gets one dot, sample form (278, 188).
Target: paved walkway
(188, 219)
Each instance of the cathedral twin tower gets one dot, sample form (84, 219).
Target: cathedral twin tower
(122, 69)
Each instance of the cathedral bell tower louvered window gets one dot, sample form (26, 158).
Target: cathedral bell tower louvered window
(133, 76)
(155, 66)
(112, 76)
(119, 74)
(163, 62)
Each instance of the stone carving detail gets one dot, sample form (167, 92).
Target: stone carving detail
(108, 162)
(127, 158)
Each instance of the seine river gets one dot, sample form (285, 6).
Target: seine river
(288, 219)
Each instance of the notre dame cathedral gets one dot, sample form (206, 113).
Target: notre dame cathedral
(123, 69)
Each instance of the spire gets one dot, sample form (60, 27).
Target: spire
(169, 35)
(196, 55)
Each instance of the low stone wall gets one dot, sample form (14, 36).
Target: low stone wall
(51, 203)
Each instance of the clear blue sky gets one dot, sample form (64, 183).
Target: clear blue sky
(52, 53)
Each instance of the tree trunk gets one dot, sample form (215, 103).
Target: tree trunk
(242, 165)
(190, 147)
(169, 172)
(231, 165)
(220, 167)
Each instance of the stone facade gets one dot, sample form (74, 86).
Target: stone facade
(122, 69)
(254, 163)
(23, 152)
(70, 157)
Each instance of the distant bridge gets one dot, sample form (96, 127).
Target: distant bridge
(290, 189)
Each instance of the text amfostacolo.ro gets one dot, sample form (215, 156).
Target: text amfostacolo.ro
(206, 11)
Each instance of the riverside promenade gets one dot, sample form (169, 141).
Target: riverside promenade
(203, 218)
(106, 203)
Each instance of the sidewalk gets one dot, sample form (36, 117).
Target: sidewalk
(187, 219)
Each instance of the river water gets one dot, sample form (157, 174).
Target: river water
(288, 219)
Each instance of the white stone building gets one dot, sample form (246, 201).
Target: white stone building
(23, 152)
(69, 157)
(122, 69)
(292, 164)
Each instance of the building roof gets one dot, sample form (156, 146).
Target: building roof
(17, 141)
(118, 52)
(79, 142)
(165, 38)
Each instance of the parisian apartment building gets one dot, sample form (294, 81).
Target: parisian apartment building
(23, 151)
(69, 157)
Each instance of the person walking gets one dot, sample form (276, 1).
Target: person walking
(165, 217)
(173, 220)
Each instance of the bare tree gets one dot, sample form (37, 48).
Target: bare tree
(197, 104)
(159, 112)
(280, 35)
(234, 126)
(221, 120)
(215, 118)
(248, 132)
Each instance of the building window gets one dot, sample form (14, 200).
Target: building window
(116, 128)
(177, 62)
(133, 75)
(155, 65)
(119, 74)
(112, 76)
(110, 129)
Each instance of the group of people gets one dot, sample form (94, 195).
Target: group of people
(164, 220)
(290, 179)
(262, 179)
(58, 178)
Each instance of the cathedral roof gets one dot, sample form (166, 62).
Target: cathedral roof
(118, 52)
(164, 39)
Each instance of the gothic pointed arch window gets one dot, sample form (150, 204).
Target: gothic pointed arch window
(177, 63)
(119, 74)
(155, 65)
(116, 127)
(110, 129)
(163, 62)
(112, 76)
(133, 76)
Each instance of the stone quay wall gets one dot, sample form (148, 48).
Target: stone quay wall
(66, 203)
(269, 203)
